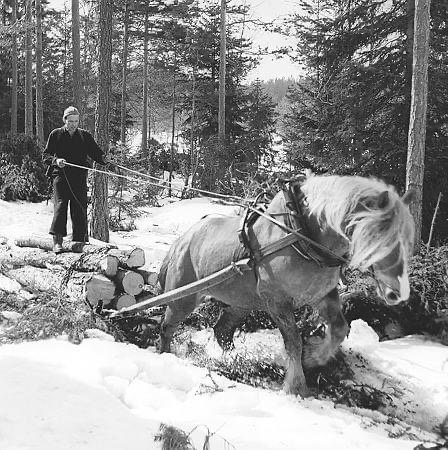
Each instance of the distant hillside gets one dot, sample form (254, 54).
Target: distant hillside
(277, 88)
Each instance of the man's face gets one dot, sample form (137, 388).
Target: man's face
(71, 123)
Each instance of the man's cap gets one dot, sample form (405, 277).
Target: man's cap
(70, 111)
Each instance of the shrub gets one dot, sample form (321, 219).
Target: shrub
(22, 173)
(427, 308)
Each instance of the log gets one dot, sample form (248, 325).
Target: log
(78, 285)
(131, 282)
(46, 243)
(98, 287)
(129, 259)
(236, 268)
(97, 261)
(109, 266)
(122, 301)
(149, 277)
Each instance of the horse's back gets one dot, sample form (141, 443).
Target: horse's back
(208, 246)
(213, 243)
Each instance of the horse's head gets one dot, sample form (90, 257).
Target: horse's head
(391, 276)
(391, 271)
(374, 222)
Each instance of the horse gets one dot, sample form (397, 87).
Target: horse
(360, 221)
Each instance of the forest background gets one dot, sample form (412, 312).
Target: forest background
(347, 113)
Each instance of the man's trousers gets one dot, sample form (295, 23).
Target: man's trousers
(74, 192)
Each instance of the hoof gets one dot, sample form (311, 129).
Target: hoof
(301, 391)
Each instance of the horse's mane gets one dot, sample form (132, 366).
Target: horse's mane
(349, 205)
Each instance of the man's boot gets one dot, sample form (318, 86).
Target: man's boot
(57, 243)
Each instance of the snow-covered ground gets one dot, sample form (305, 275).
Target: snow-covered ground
(101, 394)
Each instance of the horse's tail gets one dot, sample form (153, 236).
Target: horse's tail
(161, 278)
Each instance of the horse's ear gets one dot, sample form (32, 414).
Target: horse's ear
(383, 199)
(408, 197)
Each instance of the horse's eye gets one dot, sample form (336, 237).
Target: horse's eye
(319, 331)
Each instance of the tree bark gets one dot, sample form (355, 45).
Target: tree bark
(410, 13)
(39, 80)
(124, 62)
(28, 69)
(129, 259)
(222, 79)
(76, 52)
(193, 124)
(417, 125)
(100, 211)
(14, 71)
(77, 286)
(46, 243)
(95, 261)
(173, 124)
(144, 145)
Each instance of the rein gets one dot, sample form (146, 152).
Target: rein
(291, 237)
(294, 237)
(159, 182)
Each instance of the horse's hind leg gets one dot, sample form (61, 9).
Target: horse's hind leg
(229, 320)
(175, 313)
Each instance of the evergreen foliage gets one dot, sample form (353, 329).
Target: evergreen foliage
(350, 113)
(22, 173)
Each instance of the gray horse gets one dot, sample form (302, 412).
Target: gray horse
(360, 217)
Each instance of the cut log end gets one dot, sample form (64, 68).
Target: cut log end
(99, 287)
(122, 301)
(131, 282)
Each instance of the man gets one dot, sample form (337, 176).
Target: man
(72, 145)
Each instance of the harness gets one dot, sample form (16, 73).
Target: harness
(298, 233)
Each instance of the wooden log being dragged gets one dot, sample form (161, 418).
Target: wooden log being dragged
(44, 280)
(131, 282)
(46, 243)
(108, 266)
(122, 301)
(148, 276)
(97, 261)
(98, 287)
(78, 285)
(130, 259)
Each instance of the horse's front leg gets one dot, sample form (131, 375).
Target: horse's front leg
(282, 313)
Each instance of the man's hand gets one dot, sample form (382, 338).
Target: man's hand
(60, 162)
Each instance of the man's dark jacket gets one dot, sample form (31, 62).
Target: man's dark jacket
(74, 149)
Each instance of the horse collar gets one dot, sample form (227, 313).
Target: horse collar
(298, 236)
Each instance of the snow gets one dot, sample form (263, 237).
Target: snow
(101, 394)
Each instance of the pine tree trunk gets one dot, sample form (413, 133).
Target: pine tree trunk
(417, 125)
(145, 88)
(28, 70)
(100, 211)
(410, 12)
(173, 124)
(124, 63)
(39, 80)
(14, 71)
(222, 79)
(76, 52)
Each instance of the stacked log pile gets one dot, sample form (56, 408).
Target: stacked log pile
(93, 272)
